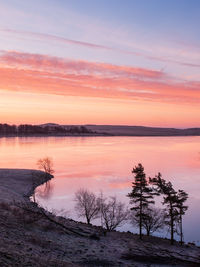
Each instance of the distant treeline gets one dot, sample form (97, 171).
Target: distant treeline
(27, 129)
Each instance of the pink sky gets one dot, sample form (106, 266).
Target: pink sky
(94, 73)
(41, 88)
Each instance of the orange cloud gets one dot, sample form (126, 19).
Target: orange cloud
(52, 75)
(55, 64)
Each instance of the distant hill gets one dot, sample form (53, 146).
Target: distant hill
(49, 124)
(92, 130)
(143, 131)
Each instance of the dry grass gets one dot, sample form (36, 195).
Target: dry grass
(31, 236)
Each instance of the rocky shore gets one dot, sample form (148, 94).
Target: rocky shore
(31, 236)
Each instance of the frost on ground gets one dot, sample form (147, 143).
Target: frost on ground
(30, 236)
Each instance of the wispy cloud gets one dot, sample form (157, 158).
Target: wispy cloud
(50, 37)
(53, 75)
(56, 64)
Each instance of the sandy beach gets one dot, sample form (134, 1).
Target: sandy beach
(31, 236)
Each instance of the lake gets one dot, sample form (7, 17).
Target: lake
(105, 164)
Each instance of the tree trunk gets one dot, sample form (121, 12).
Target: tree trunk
(140, 220)
(172, 231)
(88, 220)
(148, 232)
(171, 224)
(181, 229)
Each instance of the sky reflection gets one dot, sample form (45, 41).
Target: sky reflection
(105, 164)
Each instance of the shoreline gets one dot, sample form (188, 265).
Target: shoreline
(104, 135)
(52, 129)
(26, 187)
(55, 241)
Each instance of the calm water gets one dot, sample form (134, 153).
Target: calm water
(105, 164)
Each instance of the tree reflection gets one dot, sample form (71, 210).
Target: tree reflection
(45, 191)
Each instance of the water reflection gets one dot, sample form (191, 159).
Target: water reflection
(45, 192)
(105, 163)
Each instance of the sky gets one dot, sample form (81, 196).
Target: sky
(127, 62)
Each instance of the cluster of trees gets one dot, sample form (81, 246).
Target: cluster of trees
(6, 129)
(142, 198)
(143, 212)
(112, 212)
(27, 129)
(79, 130)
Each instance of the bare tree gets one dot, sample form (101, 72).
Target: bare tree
(153, 220)
(46, 165)
(87, 204)
(114, 213)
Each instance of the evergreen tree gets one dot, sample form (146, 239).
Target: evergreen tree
(182, 196)
(170, 200)
(141, 195)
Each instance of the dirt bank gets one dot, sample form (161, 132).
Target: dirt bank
(30, 236)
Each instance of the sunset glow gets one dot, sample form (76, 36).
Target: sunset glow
(70, 67)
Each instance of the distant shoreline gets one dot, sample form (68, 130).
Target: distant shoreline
(50, 129)
(56, 135)
(104, 135)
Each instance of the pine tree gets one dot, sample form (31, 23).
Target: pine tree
(170, 200)
(182, 196)
(141, 195)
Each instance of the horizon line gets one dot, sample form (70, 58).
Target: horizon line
(91, 124)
